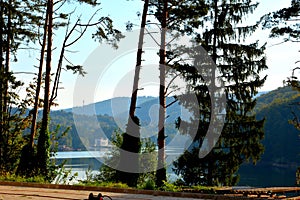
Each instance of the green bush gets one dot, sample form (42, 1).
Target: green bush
(148, 185)
(170, 187)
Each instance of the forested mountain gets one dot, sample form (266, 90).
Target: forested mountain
(277, 96)
(147, 108)
(90, 122)
(281, 159)
(82, 132)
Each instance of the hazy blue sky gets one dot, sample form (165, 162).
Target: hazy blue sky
(281, 58)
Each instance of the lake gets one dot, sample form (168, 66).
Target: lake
(260, 175)
(83, 162)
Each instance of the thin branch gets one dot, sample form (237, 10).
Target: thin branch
(171, 81)
(29, 73)
(168, 94)
(296, 68)
(87, 25)
(85, 28)
(180, 60)
(152, 37)
(70, 51)
(278, 43)
(294, 40)
(64, 1)
(29, 48)
(172, 103)
(293, 20)
(40, 42)
(68, 61)
(70, 33)
(69, 20)
(171, 41)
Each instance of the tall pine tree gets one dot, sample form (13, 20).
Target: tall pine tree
(175, 16)
(17, 22)
(104, 31)
(238, 65)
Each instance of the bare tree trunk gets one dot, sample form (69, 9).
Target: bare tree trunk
(43, 141)
(161, 168)
(138, 62)
(131, 139)
(39, 82)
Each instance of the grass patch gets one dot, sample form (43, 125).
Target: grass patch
(15, 178)
(104, 184)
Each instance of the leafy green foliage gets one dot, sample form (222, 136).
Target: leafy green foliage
(284, 22)
(17, 27)
(294, 83)
(169, 187)
(107, 32)
(109, 174)
(180, 17)
(12, 125)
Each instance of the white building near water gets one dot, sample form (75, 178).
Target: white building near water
(102, 142)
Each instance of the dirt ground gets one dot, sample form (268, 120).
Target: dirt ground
(32, 193)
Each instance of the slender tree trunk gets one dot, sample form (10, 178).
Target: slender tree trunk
(1, 32)
(131, 139)
(1, 79)
(7, 56)
(58, 72)
(39, 82)
(5, 52)
(214, 54)
(161, 168)
(138, 62)
(5, 113)
(212, 91)
(43, 141)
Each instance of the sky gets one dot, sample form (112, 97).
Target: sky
(110, 71)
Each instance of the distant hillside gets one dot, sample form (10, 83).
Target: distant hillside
(111, 107)
(273, 97)
(281, 158)
(147, 109)
(102, 119)
(260, 93)
(83, 131)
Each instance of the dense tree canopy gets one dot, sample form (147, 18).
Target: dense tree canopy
(21, 22)
(238, 66)
(17, 29)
